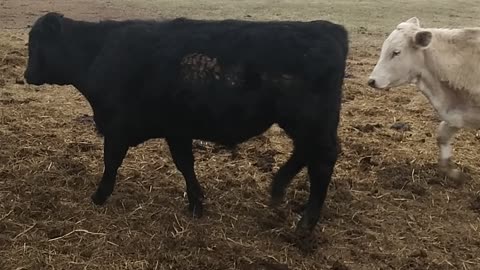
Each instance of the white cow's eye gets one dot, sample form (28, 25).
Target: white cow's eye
(395, 53)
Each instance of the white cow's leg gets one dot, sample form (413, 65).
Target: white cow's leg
(445, 133)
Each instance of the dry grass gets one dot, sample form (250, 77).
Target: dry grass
(387, 208)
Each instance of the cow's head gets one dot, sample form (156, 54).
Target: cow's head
(46, 61)
(401, 57)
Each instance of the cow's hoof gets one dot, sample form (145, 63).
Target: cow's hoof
(196, 209)
(98, 198)
(454, 176)
(306, 240)
(457, 177)
(302, 230)
(276, 200)
(276, 196)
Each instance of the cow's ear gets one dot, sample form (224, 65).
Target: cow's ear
(422, 39)
(414, 20)
(52, 23)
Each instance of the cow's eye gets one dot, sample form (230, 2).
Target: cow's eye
(395, 53)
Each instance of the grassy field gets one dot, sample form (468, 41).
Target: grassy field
(387, 207)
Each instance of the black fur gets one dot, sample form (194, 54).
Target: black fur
(220, 81)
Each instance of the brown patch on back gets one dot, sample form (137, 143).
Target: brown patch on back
(197, 67)
(200, 69)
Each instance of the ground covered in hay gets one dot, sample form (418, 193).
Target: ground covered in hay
(387, 207)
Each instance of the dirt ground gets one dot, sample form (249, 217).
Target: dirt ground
(387, 207)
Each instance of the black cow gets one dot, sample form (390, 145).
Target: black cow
(220, 81)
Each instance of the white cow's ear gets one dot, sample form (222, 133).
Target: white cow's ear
(414, 20)
(422, 38)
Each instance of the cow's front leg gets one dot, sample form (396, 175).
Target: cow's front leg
(182, 155)
(445, 134)
(114, 153)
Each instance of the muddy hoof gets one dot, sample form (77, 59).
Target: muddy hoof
(196, 209)
(457, 178)
(306, 242)
(275, 200)
(98, 198)
(277, 194)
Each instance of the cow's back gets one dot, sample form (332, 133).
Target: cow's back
(271, 46)
(221, 80)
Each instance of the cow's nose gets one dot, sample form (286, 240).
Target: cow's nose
(371, 82)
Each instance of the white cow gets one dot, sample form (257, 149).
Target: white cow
(445, 66)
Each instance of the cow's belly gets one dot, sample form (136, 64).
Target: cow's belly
(223, 127)
(228, 130)
(459, 108)
(231, 134)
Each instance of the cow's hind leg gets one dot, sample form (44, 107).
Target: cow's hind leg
(182, 155)
(285, 175)
(114, 152)
(320, 163)
(445, 134)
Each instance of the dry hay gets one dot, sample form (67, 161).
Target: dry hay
(387, 207)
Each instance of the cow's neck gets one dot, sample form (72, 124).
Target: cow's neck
(433, 90)
(84, 41)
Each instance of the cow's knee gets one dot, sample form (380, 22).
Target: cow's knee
(445, 134)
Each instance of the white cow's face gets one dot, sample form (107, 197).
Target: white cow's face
(401, 57)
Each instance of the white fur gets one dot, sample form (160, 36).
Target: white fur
(445, 68)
